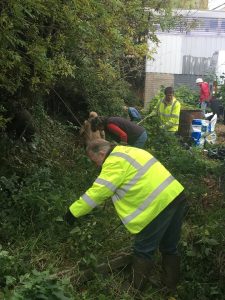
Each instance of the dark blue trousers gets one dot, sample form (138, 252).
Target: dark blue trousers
(140, 142)
(163, 232)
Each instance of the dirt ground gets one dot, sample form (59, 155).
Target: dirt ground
(220, 132)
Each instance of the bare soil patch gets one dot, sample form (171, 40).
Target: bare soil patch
(220, 132)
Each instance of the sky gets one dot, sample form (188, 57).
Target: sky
(214, 3)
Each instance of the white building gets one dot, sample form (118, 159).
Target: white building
(216, 5)
(189, 51)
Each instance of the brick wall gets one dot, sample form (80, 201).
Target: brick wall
(153, 82)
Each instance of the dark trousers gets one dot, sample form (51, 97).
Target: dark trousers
(163, 232)
(140, 142)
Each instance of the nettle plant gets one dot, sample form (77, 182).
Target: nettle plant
(41, 285)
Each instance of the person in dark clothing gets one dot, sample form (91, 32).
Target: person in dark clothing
(21, 125)
(121, 130)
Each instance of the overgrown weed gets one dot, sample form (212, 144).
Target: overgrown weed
(37, 189)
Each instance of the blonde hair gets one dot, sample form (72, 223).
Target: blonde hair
(93, 114)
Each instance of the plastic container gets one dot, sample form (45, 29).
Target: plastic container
(196, 135)
(197, 122)
(199, 143)
(205, 126)
(196, 128)
(212, 123)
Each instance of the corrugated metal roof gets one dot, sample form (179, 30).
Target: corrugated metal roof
(200, 13)
(191, 25)
(191, 13)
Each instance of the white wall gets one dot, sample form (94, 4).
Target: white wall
(168, 55)
(173, 48)
(220, 68)
(202, 46)
(215, 4)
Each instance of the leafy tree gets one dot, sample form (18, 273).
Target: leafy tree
(94, 43)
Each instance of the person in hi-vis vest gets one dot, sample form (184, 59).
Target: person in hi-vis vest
(168, 111)
(149, 201)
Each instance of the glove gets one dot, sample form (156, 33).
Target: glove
(69, 218)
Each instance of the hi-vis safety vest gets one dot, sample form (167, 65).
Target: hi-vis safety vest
(169, 114)
(140, 187)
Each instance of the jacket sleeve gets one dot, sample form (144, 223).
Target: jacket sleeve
(174, 117)
(117, 131)
(110, 178)
(204, 92)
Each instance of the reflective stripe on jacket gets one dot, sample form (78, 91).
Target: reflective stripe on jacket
(140, 187)
(169, 114)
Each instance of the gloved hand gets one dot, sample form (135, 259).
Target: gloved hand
(69, 218)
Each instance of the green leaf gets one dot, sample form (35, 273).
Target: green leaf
(75, 230)
(59, 219)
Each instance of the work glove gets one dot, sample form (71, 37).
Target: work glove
(69, 218)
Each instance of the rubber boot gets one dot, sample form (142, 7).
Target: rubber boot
(170, 271)
(141, 268)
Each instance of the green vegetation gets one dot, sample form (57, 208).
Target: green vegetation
(191, 4)
(42, 258)
(79, 56)
(83, 51)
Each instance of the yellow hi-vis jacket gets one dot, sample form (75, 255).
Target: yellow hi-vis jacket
(169, 114)
(140, 187)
